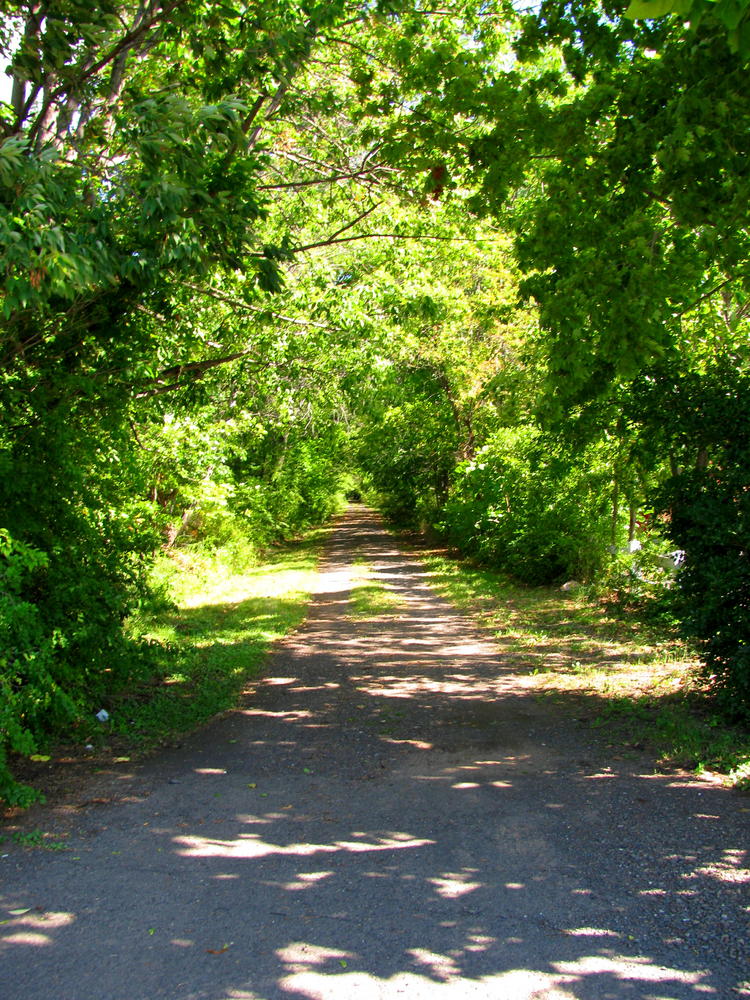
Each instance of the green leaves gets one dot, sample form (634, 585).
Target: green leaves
(658, 8)
(731, 14)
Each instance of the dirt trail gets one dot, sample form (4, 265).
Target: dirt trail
(390, 814)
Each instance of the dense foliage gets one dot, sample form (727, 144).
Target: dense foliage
(495, 266)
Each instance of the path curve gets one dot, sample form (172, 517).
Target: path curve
(390, 814)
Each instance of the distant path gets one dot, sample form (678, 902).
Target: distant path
(390, 815)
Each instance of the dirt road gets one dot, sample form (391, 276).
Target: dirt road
(390, 814)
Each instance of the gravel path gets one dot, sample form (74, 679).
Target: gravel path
(390, 814)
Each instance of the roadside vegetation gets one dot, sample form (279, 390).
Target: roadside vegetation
(213, 640)
(621, 666)
(490, 267)
(214, 614)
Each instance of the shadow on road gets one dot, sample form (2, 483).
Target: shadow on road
(391, 813)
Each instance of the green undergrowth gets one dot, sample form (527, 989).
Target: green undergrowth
(631, 677)
(213, 639)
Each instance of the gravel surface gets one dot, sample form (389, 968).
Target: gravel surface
(391, 813)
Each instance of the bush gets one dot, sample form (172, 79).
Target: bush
(710, 519)
(700, 419)
(29, 693)
(529, 510)
(73, 552)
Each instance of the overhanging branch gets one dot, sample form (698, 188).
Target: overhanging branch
(195, 369)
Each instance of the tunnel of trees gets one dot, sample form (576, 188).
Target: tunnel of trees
(487, 265)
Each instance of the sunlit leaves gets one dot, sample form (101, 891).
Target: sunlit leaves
(733, 15)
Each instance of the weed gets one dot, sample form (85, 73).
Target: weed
(740, 776)
(38, 838)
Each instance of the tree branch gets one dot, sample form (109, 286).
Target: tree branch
(145, 19)
(332, 179)
(363, 215)
(386, 236)
(196, 369)
(702, 298)
(239, 304)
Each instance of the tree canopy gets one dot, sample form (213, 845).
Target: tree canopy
(490, 265)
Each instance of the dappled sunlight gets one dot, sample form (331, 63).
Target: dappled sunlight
(307, 880)
(297, 715)
(590, 932)
(252, 846)
(392, 814)
(263, 582)
(733, 868)
(586, 652)
(26, 927)
(334, 582)
(385, 686)
(416, 744)
(636, 969)
(518, 984)
(441, 967)
(301, 955)
(453, 885)
(28, 938)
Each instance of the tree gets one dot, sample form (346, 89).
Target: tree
(625, 143)
(156, 165)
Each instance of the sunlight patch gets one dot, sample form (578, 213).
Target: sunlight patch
(441, 966)
(590, 932)
(302, 955)
(417, 744)
(519, 984)
(639, 969)
(251, 846)
(453, 885)
(307, 880)
(32, 929)
(28, 938)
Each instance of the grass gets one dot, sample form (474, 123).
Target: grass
(212, 642)
(369, 598)
(633, 680)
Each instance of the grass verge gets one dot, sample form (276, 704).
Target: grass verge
(209, 639)
(638, 684)
(213, 642)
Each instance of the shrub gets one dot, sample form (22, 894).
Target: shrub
(710, 519)
(29, 693)
(529, 510)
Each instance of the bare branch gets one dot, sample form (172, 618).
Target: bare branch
(363, 215)
(331, 179)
